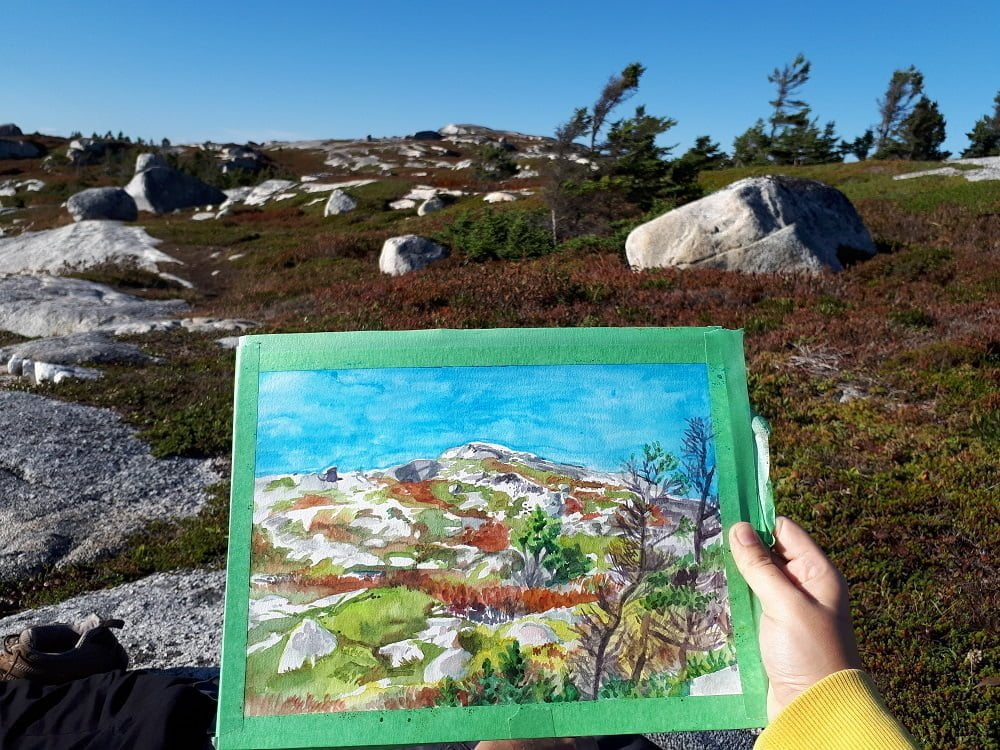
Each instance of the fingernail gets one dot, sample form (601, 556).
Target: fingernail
(746, 535)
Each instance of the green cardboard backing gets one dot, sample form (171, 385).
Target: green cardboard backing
(721, 350)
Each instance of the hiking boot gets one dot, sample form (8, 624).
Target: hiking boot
(58, 653)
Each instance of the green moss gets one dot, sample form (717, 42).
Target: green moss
(182, 405)
(381, 616)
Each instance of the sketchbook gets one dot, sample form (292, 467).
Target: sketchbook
(451, 535)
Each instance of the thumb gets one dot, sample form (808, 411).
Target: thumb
(757, 567)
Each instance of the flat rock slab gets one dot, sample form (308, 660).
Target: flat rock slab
(78, 246)
(988, 168)
(53, 306)
(75, 481)
(94, 347)
(172, 620)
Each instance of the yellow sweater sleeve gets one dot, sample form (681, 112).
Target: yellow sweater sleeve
(840, 712)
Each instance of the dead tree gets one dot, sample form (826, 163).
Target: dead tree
(633, 555)
(700, 471)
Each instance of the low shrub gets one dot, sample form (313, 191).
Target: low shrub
(495, 235)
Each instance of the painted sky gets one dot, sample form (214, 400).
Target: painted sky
(191, 70)
(592, 415)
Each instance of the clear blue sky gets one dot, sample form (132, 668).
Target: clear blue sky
(590, 415)
(262, 70)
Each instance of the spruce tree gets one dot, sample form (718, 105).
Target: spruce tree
(905, 86)
(923, 132)
(751, 146)
(984, 140)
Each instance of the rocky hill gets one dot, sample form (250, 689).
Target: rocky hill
(364, 521)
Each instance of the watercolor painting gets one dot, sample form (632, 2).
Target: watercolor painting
(467, 536)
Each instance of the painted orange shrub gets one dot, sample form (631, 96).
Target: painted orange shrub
(492, 536)
(418, 492)
(511, 600)
(310, 501)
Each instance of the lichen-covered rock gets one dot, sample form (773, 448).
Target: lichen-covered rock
(102, 203)
(408, 253)
(759, 224)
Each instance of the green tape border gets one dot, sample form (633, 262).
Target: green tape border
(720, 349)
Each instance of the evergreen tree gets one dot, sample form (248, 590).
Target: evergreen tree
(618, 88)
(789, 112)
(623, 173)
(923, 132)
(794, 138)
(703, 155)
(861, 146)
(631, 161)
(493, 163)
(904, 89)
(751, 146)
(984, 140)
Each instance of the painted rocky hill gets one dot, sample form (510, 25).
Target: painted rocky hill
(394, 586)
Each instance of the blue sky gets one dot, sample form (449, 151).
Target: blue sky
(593, 415)
(193, 71)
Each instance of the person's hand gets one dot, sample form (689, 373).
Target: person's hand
(805, 628)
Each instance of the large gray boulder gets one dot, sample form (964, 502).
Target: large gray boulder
(408, 253)
(172, 620)
(9, 129)
(162, 190)
(149, 161)
(430, 205)
(53, 306)
(102, 203)
(17, 149)
(759, 224)
(339, 203)
(76, 482)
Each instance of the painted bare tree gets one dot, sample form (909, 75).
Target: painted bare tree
(687, 611)
(699, 468)
(650, 478)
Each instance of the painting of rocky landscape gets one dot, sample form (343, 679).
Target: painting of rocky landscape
(474, 535)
